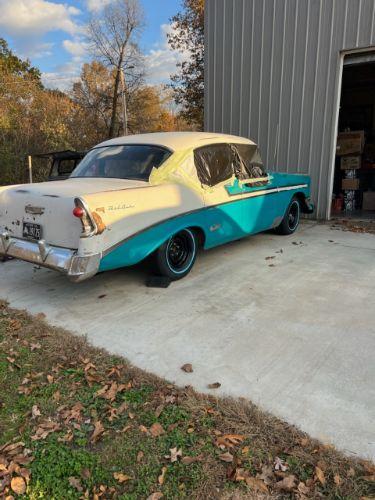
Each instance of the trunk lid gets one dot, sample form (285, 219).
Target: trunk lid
(50, 206)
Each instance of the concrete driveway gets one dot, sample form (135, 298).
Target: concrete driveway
(295, 333)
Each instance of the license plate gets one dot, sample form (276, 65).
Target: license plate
(31, 230)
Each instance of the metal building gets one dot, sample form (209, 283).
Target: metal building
(273, 72)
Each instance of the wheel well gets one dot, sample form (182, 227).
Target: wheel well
(199, 233)
(302, 200)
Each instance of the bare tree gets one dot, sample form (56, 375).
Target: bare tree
(113, 39)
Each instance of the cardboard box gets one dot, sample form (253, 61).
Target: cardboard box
(368, 202)
(350, 143)
(350, 162)
(350, 184)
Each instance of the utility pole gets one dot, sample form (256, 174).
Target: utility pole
(123, 95)
(124, 108)
(29, 161)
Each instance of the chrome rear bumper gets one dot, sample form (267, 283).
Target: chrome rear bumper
(77, 267)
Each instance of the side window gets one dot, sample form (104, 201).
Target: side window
(251, 162)
(214, 163)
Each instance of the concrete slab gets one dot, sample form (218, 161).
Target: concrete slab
(297, 338)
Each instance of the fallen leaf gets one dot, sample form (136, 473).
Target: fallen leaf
(215, 385)
(280, 464)
(33, 347)
(143, 429)
(191, 460)
(156, 430)
(35, 412)
(18, 485)
(320, 475)
(267, 475)
(302, 488)
(120, 477)
(140, 455)
(286, 484)
(98, 431)
(226, 457)
(162, 476)
(76, 483)
(188, 368)
(256, 484)
(56, 396)
(159, 411)
(155, 496)
(175, 453)
(229, 440)
(337, 479)
(351, 472)
(50, 379)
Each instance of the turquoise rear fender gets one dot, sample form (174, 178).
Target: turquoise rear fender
(138, 247)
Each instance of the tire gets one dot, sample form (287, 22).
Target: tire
(176, 256)
(291, 218)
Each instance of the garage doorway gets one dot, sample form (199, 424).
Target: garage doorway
(354, 176)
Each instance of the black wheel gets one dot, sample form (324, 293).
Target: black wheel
(291, 218)
(176, 257)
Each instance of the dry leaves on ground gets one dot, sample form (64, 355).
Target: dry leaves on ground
(215, 385)
(188, 368)
(120, 477)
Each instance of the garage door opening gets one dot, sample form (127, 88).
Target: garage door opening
(354, 178)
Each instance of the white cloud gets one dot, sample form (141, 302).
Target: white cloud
(96, 5)
(161, 61)
(36, 17)
(77, 48)
(58, 80)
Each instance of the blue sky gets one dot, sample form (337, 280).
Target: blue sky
(49, 33)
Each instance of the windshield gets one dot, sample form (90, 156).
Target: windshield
(122, 162)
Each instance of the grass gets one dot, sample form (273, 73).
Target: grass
(76, 422)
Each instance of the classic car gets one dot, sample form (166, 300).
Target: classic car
(158, 196)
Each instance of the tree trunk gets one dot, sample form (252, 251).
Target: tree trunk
(111, 132)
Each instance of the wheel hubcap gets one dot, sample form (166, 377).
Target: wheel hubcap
(180, 251)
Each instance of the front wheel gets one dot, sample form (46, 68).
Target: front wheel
(291, 218)
(176, 256)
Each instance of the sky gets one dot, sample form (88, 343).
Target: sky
(51, 34)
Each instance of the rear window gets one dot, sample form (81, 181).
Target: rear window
(132, 161)
(214, 163)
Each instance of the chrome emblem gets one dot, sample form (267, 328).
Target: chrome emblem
(29, 209)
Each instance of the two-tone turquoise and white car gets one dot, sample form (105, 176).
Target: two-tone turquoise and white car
(154, 195)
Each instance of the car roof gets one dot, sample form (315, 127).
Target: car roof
(176, 140)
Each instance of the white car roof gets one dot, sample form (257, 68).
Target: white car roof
(176, 140)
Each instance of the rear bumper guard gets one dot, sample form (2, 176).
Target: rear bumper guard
(77, 267)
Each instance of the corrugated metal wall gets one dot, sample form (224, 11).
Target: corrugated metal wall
(272, 73)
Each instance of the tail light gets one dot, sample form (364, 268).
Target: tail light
(82, 212)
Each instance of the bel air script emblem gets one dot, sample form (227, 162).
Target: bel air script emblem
(122, 206)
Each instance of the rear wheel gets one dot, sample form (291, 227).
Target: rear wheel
(176, 256)
(291, 218)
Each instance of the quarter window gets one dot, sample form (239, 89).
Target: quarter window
(251, 162)
(214, 163)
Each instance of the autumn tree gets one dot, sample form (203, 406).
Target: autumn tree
(13, 65)
(113, 39)
(187, 36)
